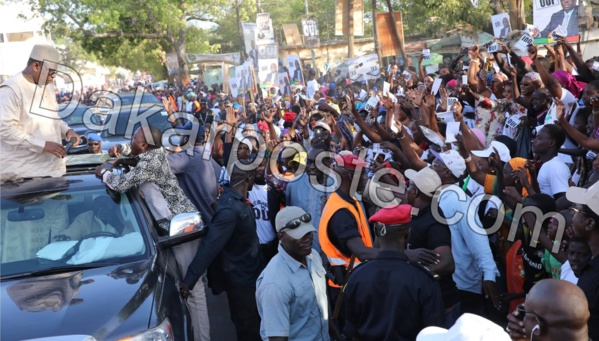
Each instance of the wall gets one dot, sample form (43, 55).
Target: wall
(335, 51)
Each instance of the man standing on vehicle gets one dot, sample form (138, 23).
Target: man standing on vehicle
(30, 128)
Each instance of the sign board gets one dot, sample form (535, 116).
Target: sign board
(172, 64)
(501, 25)
(292, 35)
(228, 58)
(264, 33)
(523, 42)
(363, 68)
(342, 17)
(310, 28)
(387, 40)
(549, 14)
(295, 69)
(213, 76)
(268, 64)
(249, 35)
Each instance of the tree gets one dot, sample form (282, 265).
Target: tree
(132, 31)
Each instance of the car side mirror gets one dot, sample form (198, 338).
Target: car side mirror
(183, 228)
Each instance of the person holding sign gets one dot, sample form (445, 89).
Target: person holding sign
(567, 18)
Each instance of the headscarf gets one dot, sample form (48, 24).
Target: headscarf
(518, 163)
(569, 82)
(535, 77)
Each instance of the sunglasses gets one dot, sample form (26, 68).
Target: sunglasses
(243, 147)
(93, 143)
(295, 223)
(524, 84)
(574, 210)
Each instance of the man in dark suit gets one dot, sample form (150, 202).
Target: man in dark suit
(567, 17)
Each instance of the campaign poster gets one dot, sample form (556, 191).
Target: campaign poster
(364, 68)
(555, 16)
(264, 33)
(268, 66)
(249, 36)
(295, 70)
(310, 29)
(233, 87)
(284, 84)
(501, 25)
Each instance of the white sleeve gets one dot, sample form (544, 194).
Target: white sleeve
(560, 179)
(10, 123)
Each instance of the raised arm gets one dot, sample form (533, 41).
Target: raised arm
(551, 83)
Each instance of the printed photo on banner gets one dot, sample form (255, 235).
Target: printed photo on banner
(295, 71)
(501, 25)
(249, 36)
(269, 73)
(284, 84)
(264, 33)
(363, 68)
(551, 16)
(234, 86)
(244, 76)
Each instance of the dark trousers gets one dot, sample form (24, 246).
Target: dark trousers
(244, 313)
(471, 303)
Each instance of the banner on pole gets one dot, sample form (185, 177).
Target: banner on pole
(264, 32)
(292, 35)
(310, 28)
(384, 25)
(342, 18)
(172, 64)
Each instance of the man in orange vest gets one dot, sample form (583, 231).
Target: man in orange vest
(343, 232)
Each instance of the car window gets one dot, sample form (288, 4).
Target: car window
(68, 228)
(76, 117)
(157, 119)
(147, 98)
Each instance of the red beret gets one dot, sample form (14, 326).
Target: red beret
(263, 126)
(393, 215)
(289, 117)
(350, 161)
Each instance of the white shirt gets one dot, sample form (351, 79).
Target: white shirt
(567, 16)
(567, 274)
(259, 198)
(553, 177)
(311, 88)
(26, 123)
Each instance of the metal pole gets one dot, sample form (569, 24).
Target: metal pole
(311, 49)
(242, 47)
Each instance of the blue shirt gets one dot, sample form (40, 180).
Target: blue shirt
(292, 299)
(301, 193)
(469, 244)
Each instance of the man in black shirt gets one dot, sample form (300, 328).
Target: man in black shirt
(429, 234)
(388, 298)
(231, 253)
(586, 225)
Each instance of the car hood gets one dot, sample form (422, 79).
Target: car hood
(105, 303)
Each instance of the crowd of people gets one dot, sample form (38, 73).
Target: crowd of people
(410, 207)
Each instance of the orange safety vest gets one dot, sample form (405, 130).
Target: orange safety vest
(336, 257)
(173, 102)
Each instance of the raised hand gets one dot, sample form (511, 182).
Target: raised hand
(532, 52)
(231, 117)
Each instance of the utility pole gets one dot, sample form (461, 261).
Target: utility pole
(350, 29)
(311, 49)
(377, 44)
(396, 31)
(259, 6)
(242, 48)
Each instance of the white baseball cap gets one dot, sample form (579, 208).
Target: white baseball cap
(468, 327)
(589, 197)
(502, 149)
(426, 180)
(452, 160)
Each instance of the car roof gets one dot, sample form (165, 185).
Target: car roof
(38, 186)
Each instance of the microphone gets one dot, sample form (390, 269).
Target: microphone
(69, 145)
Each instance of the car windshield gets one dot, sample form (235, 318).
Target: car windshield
(127, 99)
(70, 228)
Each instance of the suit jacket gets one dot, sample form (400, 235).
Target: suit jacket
(557, 18)
(504, 32)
